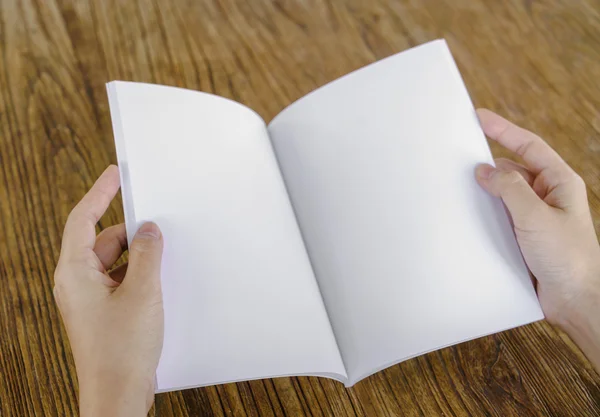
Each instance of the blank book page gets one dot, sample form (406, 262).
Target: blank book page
(240, 298)
(410, 254)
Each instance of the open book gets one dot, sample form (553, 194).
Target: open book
(345, 236)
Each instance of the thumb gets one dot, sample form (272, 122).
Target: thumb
(520, 199)
(145, 255)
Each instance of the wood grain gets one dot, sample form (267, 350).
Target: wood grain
(537, 62)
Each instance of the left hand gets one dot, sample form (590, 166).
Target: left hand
(114, 319)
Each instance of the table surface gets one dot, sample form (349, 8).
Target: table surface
(536, 62)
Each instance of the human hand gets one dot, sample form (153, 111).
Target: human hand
(114, 319)
(548, 204)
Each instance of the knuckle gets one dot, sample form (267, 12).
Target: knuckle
(73, 214)
(59, 290)
(578, 182)
(56, 292)
(103, 233)
(58, 275)
(70, 218)
(73, 220)
(143, 245)
(514, 176)
(574, 184)
(59, 286)
(511, 177)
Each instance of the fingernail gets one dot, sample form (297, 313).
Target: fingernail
(484, 171)
(150, 230)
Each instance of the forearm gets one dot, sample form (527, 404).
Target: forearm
(119, 407)
(114, 397)
(588, 341)
(583, 323)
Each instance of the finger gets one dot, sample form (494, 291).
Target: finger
(145, 256)
(118, 274)
(521, 201)
(80, 230)
(509, 165)
(110, 245)
(534, 182)
(536, 153)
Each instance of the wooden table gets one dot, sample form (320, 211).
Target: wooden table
(537, 62)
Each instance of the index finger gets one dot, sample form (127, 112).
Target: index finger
(536, 153)
(80, 232)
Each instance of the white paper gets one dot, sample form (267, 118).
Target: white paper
(240, 299)
(410, 254)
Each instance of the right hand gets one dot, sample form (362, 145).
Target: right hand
(548, 204)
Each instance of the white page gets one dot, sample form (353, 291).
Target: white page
(410, 254)
(240, 298)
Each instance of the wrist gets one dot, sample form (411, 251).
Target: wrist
(104, 394)
(581, 321)
(584, 319)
